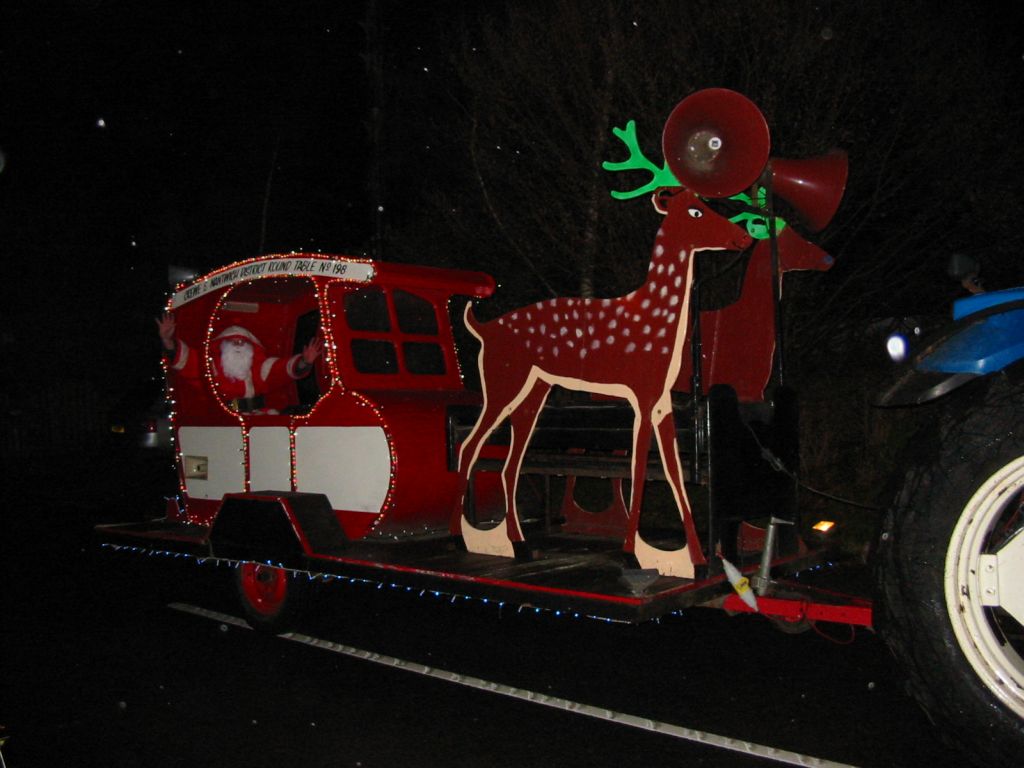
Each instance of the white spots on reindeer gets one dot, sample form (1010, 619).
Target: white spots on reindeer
(646, 330)
(579, 333)
(630, 347)
(612, 323)
(645, 304)
(595, 344)
(647, 347)
(673, 301)
(620, 309)
(659, 248)
(661, 333)
(610, 340)
(671, 318)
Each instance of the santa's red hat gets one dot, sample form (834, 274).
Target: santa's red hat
(237, 332)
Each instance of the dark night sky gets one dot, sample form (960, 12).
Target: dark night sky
(138, 135)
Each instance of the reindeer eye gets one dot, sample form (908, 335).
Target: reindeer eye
(696, 213)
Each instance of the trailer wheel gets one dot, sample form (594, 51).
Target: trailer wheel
(952, 577)
(270, 597)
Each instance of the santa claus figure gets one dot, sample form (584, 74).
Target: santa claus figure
(246, 376)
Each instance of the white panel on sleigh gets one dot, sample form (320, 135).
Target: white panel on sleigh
(222, 450)
(351, 465)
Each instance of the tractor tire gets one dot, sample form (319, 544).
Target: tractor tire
(955, 534)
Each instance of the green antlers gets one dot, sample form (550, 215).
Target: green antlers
(757, 226)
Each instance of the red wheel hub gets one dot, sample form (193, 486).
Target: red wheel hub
(264, 587)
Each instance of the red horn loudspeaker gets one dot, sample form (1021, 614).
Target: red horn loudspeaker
(716, 142)
(814, 186)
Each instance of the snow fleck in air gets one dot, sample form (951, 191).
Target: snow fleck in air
(543, 328)
(661, 231)
(540, 350)
(656, 312)
(586, 301)
(528, 343)
(539, 305)
(515, 331)
(647, 347)
(661, 333)
(529, 316)
(606, 302)
(645, 304)
(563, 331)
(664, 291)
(514, 315)
(530, 329)
(589, 315)
(600, 315)
(659, 248)
(620, 309)
(610, 340)
(575, 315)
(660, 268)
(583, 352)
(671, 267)
(101, 123)
(625, 331)
(636, 318)
(664, 350)
(671, 318)
(579, 333)
(612, 324)
(673, 301)
(571, 344)
(501, 321)
(647, 329)
(554, 351)
(590, 330)
(555, 317)
(630, 347)
(682, 255)
(595, 344)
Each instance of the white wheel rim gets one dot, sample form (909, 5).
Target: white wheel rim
(973, 615)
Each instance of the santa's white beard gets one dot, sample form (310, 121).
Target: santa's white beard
(236, 361)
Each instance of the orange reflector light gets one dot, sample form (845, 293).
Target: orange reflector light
(823, 526)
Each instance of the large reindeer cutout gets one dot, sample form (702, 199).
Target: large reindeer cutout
(629, 347)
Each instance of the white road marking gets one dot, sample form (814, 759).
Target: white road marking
(600, 713)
